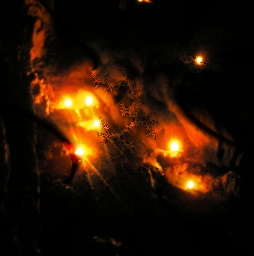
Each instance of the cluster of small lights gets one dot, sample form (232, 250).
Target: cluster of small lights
(175, 146)
(174, 152)
(69, 103)
(76, 104)
(190, 185)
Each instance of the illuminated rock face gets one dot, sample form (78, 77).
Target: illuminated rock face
(151, 69)
(65, 116)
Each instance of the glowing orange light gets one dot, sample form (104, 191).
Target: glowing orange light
(174, 146)
(68, 102)
(89, 100)
(199, 60)
(80, 151)
(96, 123)
(190, 184)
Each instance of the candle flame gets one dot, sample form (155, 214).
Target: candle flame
(190, 184)
(174, 146)
(89, 100)
(96, 123)
(68, 102)
(199, 60)
(80, 151)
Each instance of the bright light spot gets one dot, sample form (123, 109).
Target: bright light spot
(190, 184)
(174, 146)
(199, 60)
(96, 123)
(68, 102)
(80, 151)
(89, 100)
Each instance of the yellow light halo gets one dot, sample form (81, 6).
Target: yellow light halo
(174, 145)
(89, 100)
(190, 184)
(96, 123)
(68, 102)
(199, 60)
(79, 151)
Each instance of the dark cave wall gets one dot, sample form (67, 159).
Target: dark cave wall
(20, 179)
